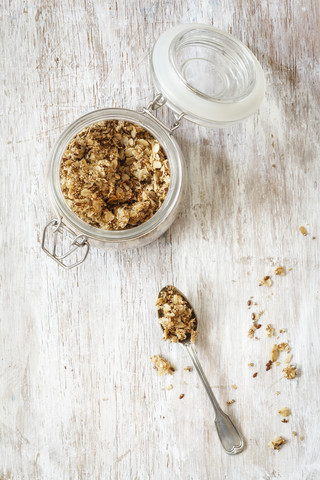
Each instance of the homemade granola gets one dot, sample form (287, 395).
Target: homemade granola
(284, 347)
(277, 442)
(114, 175)
(251, 331)
(288, 358)
(284, 412)
(274, 353)
(265, 281)
(269, 330)
(161, 365)
(176, 316)
(289, 372)
(280, 271)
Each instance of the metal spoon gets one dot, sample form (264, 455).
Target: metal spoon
(229, 436)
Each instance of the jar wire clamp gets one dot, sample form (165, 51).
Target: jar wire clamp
(157, 103)
(78, 242)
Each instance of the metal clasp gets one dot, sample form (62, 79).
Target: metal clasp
(157, 103)
(78, 242)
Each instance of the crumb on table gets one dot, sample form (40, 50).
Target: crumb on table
(162, 366)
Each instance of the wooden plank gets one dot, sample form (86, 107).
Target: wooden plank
(79, 397)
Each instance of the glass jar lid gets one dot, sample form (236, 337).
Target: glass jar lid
(207, 74)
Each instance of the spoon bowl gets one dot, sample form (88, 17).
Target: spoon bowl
(187, 340)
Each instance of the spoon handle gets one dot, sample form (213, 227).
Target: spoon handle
(229, 436)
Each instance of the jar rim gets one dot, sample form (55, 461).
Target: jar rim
(167, 142)
(213, 38)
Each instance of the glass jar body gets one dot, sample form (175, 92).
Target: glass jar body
(136, 236)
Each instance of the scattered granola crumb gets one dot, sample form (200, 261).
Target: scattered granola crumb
(289, 269)
(249, 302)
(277, 442)
(280, 271)
(273, 165)
(277, 393)
(169, 387)
(114, 175)
(251, 331)
(181, 396)
(303, 230)
(284, 420)
(277, 364)
(284, 412)
(250, 364)
(266, 281)
(289, 372)
(176, 316)
(282, 330)
(274, 353)
(284, 347)
(288, 358)
(161, 365)
(269, 330)
(255, 374)
(234, 387)
(313, 238)
(187, 369)
(301, 438)
(295, 433)
(230, 402)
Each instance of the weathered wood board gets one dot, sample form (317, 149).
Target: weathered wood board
(78, 396)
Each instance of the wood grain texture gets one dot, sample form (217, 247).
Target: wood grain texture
(79, 397)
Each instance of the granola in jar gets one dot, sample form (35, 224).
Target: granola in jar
(114, 175)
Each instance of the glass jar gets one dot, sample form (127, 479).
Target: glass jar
(205, 76)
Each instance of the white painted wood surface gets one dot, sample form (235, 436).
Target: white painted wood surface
(79, 397)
